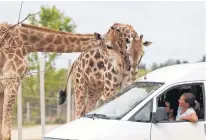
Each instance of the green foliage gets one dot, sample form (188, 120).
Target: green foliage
(59, 120)
(168, 62)
(142, 72)
(53, 19)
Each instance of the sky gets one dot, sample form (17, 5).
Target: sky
(177, 29)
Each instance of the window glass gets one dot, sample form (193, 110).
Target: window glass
(144, 115)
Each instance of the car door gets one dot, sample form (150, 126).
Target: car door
(139, 124)
(174, 130)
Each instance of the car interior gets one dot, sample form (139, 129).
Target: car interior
(174, 94)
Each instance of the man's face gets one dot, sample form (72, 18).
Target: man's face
(167, 107)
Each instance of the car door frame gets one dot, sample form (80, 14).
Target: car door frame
(178, 84)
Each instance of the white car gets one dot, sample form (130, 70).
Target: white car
(136, 112)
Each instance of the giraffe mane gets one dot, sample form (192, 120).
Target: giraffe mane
(52, 30)
(128, 25)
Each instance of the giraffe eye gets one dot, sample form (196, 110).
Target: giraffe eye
(109, 47)
(118, 30)
(127, 40)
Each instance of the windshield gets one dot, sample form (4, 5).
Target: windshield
(126, 99)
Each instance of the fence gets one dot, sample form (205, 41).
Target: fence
(49, 112)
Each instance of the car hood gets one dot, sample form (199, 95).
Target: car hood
(83, 128)
(91, 129)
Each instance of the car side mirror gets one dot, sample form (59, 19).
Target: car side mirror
(159, 115)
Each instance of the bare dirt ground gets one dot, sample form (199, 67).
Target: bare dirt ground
(31, 133)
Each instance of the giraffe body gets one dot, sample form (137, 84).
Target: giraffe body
(92, 82)
(95, 74)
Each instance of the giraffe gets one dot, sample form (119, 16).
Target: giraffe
(15, 43)
(84, 71)
(135, 51)
(96, 73)
(136, 54)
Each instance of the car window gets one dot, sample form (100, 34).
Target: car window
(144, 115)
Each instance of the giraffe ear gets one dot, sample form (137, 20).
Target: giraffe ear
(97, 36)
(147, 43)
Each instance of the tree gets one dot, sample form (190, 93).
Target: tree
(168, 62)
(178, 62)
(203, 59)
(154, 66)
(185, 61)
(142, 66)
(53, 19)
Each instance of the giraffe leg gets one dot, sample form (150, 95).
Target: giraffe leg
(79, 102)
(1, 111)
(92, 100)
(10, 94)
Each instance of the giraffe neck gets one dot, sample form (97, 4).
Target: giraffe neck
(39, 39)
(127, 31)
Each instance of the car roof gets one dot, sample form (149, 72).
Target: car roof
(177, 73)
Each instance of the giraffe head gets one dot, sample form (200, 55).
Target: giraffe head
(108, 42)
(135, 52)
(121, 34)
(126, 33)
